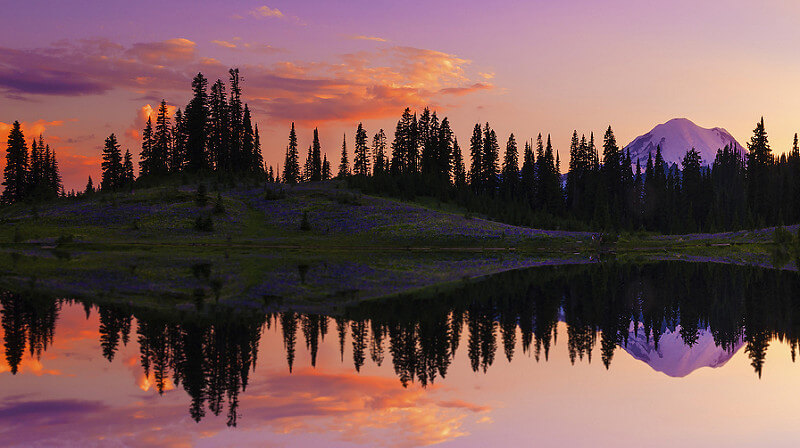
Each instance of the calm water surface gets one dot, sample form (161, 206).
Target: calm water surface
(664, 354)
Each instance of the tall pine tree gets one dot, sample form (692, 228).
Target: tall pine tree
(344, 164)
(113, 173)
(15, 174)
(291, 165)
(361, 156)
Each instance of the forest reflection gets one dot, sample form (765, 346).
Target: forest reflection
(605, 306)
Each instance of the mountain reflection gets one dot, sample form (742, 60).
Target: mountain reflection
(675, 316)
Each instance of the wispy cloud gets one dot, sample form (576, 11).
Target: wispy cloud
(258, 47)
(459, 91)
(87, 67)
(354, 86)
(362, 85)
(362, 37)
(224, 43)
(266, 12)
(255, 47)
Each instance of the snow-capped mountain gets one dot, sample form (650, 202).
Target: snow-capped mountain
(673, 357)
(678, 136)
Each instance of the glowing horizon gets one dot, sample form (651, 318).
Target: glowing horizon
(80, 74)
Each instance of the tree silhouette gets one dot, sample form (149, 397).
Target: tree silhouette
(15, 173)
(113, 171)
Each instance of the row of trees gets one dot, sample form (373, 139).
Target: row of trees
(117, 169)
(599, 191)
(215, 133)
(30, 174)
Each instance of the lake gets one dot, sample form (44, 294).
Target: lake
(599, 354)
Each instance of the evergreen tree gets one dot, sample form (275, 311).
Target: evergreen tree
(37, 162)
(15, 173)
(759, 161)
(218, 140)
(127, 169)
(428, 134)
(694, 207)
(89, 187)
(250, 160)
(237, 157)
(379, 153)
(146, 156)
(444, 151)
(291, 166)
(161, 141)
(528, 173)
(511, 169)
(459, 170)
(638, 192)
(550, 180)
(404, 146)
(196, 126)
(258, 158)
(612, 190)
(490, 159)
(793, 161)
(178, 154)
(361, 157)
(113, 173)
(476, 170)
(575, 172)
(308, 169)
(316, 158)
(54, 174)
(344, 164)
(541, 175)
(729, 201)
(326, 168)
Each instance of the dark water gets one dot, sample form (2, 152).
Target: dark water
(663, 354)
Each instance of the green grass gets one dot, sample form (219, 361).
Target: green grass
(68, 248)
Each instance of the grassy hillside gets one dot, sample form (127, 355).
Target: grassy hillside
(311, 244)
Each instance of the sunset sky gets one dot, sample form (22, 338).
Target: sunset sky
(80, 70)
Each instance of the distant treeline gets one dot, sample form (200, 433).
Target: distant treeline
(735, 191)
(29, 175)
(603, 188)
(214, 133)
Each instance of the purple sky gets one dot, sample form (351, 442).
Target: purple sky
(81, 70)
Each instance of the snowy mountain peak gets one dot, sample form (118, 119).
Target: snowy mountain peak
(677, 136)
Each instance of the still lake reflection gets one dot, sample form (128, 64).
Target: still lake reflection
(588, 355)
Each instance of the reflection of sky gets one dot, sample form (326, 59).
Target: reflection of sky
(73, 394)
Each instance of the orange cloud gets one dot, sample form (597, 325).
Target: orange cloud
(463, 405)
(30, 130)
(372, 38)
(266, 12)
(356, 407)
(459, 91)
(29, 366)
(134, 132)
(224, 43)
(364, 85)
(164, 53)
(95, 66)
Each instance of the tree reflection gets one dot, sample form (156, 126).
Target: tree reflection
(211, 354)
